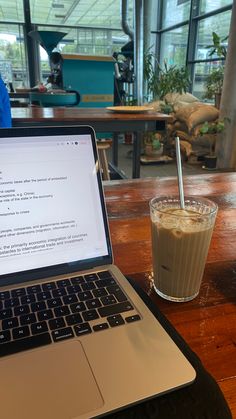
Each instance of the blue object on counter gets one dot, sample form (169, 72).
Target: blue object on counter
(5, 109)
(51, 99)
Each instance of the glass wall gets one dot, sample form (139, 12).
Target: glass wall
(211, 5)
(174, 12)
(186, 34)
(174, 45)
(217, 23)
(93, 27)
(13, 64)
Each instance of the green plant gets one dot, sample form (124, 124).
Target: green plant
(214, 80)
(213, 127)
(166, 79)
(218, 46)
(154, 139)
(210, 129)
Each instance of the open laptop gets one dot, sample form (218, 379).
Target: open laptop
(76, 341)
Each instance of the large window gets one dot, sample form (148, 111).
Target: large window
(185, 34)
(211, 5)
(174, 45)
(175, 11)
(92, 27)
(217, 23)
(13, 66)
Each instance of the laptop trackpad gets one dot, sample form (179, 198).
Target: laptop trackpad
(53, 382)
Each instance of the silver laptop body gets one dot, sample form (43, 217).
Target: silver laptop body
(76, 340)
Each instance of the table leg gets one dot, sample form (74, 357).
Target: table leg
(136, 154)
(115, 149)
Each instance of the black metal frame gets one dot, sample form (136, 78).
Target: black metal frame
(194, 18)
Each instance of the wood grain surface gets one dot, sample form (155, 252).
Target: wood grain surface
(208, 323)
(62, 114)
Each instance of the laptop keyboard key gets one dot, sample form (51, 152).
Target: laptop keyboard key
(4, 314)
(100, 326)
(93, 303)
(27, 319)
(5, 336)
(100, 292)
(115, 320)
(45, 315)
(108, 300)
(62, 334)
(69, 299)
(41, 305)
(45, 295)
(4, 295)
(24, 344)
(88, 286)
(115, 309)
(104, 274)
(10, 323)
(48, 286)
(54, 302)
(73, 289)
(21, 310)
(20, 332)
(133, 318)
(91, 277)
(12, 302)
(76, 308)
(82, 329)
(56, 323)
(27, 299)
(117, 292)
(105, 282)
(34, 289)
(61, 311)
(18, 292)
(84, 296)
(77, 280)
(40, 327)
(59, 292)
(90, 315)
(74, 319)
(62, 283)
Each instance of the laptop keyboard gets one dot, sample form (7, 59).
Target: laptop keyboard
(41, 314)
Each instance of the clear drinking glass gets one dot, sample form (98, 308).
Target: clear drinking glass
(180, 243)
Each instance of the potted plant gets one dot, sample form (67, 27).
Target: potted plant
(160, 81)
(210, 130)
(214, 80)
(152, 144)
(163, 80)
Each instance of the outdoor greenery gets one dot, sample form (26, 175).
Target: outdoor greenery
(163, 80)
(214, 80)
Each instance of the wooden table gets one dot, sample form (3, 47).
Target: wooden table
(208, 323)
(100, 119)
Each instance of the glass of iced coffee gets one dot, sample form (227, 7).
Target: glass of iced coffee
(180, 243)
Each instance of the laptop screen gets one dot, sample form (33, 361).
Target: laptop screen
(51, 203)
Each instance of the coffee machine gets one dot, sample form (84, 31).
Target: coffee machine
(53, 94)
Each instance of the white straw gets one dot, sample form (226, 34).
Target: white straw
(179, 170)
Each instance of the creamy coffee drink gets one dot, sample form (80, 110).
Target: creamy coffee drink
(180, 243)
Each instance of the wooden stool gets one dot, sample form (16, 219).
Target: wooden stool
(102, 147)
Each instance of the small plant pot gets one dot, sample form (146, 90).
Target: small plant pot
(149, 150)
(210, 162)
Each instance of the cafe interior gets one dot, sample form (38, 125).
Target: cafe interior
(155, 79)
